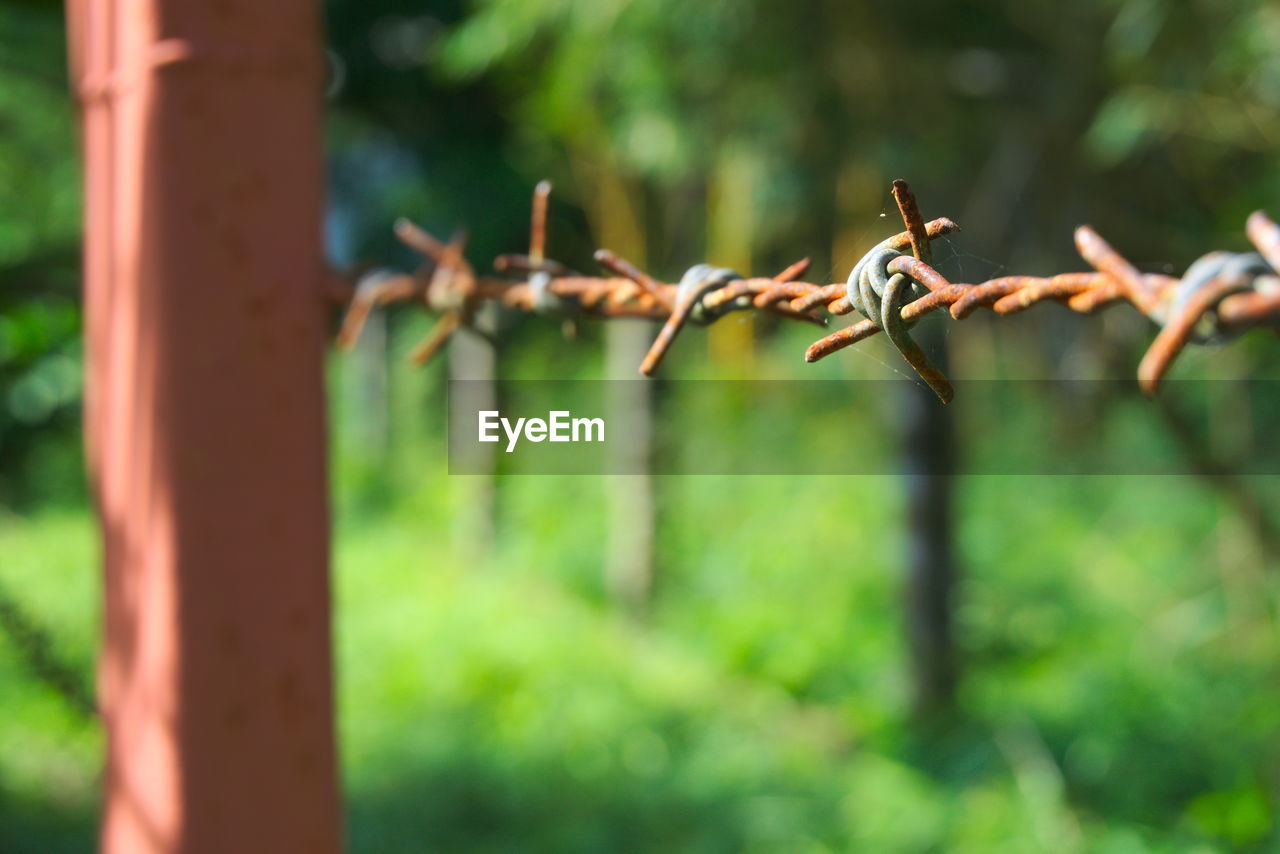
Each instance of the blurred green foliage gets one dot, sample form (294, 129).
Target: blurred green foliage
(1119, 634)
(1154, 120)
(39, 258)
(1123, 692)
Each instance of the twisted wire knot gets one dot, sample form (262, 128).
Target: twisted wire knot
(695, 285)
(544, 301)
(870, 281)
(1208, 281)
(703, 279)
(878, 294)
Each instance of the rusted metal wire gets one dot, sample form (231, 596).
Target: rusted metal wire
(1221, 295)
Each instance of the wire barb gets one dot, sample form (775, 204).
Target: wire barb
(1220, 296)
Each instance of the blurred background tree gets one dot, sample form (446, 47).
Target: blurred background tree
(1120, 634)
(39, 262)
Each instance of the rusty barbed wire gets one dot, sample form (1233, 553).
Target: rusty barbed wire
(1220, 296)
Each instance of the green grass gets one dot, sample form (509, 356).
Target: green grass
(1122, 689)
(48, 749)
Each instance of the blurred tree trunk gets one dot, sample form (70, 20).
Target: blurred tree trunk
(205, 336)
(474, 360)
(629, 488)
(369, 387)
(928, 463)
(730, 231)
(632, 515)
(928, 432)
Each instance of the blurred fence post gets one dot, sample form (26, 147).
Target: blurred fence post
(474, 360)
(368, 389)
(731, 226)
(205, 336)
(632, 517)
(929, 463)
(630, 539)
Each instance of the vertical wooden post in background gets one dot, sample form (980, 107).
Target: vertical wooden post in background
(631, 540)
(632, 517)
(474, 360)
(731, 225)
(928, 458)
(205, 421)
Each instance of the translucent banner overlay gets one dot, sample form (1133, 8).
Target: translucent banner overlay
(1071, 427)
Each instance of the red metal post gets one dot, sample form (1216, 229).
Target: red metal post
(205, 421)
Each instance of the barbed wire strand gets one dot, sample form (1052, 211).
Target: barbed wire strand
(1220, 296)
